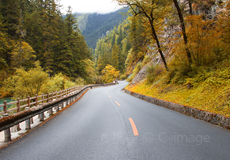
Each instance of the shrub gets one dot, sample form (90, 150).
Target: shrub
(146, 60)
(135, 71)
(98, 79)
(79, 81)
(26, 83)
(124, 76)
(109, 74)
(153, 72)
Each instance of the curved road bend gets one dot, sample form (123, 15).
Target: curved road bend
(107, 124)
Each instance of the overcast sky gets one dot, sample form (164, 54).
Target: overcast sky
(90, 6)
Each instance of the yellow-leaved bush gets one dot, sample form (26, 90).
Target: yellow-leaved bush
(34, 81)
(109, 74)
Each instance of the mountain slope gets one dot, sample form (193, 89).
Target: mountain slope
(82, 19)
(94, 26)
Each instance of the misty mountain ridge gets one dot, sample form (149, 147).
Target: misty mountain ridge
(94, 25)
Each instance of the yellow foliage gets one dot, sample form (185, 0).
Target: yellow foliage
(109, 74)
(210, 91)
(79, 81)
(25, 83)
(209, 73)
(129, 61)
(204, 40)
(208, 42)
(35, 81)
(23, 55)
(135, 71)
(56, 83)
(90, 69)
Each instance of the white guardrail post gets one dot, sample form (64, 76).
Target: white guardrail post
(27, 121)
(7, 133)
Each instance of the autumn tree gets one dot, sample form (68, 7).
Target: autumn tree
(148, 10)
(109, 74)
(113, 48)
(138, 43)
(182, 24)
(90, 70)
(34, 81)
(116, 53)
(25, 83)
(23, 55)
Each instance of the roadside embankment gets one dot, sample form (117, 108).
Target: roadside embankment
(200, 114)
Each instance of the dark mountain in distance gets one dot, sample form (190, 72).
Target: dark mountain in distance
(94, 26)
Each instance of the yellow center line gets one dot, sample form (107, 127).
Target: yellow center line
(135, 131)
(117, 103)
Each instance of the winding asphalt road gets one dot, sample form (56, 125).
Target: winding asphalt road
(108, 124)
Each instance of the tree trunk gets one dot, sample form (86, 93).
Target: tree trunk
(150, 19)
(158, 45)
(183, 31)
(190, 7)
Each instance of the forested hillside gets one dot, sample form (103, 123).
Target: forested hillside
(82, 20)
(40, 50)
(95, 26)
(113, 48)
(122, 47)
(178, 51)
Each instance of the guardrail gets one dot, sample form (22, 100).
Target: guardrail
(40, 105)
(36, 100)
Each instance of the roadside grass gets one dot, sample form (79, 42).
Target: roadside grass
(210, 90)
